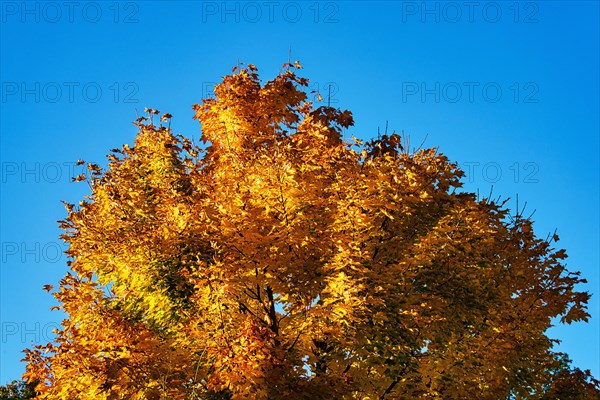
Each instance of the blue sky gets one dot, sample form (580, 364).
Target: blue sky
(507, 89)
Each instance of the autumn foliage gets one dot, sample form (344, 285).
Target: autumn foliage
(278, 261)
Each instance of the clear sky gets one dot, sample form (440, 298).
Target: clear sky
(507, 89)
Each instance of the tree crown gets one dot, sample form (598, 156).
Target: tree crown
(279, 260)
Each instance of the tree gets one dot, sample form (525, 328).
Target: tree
(18, 390)
(280, 261)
